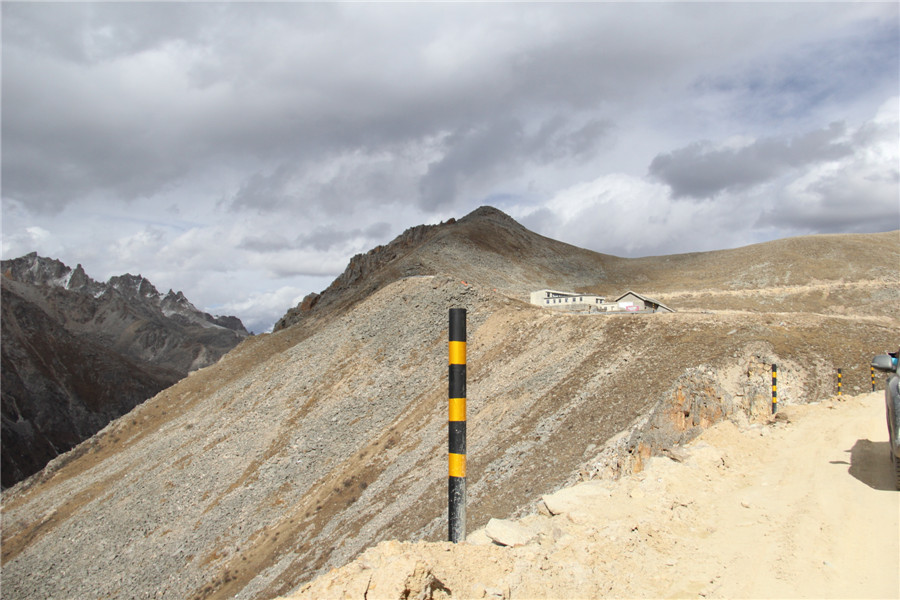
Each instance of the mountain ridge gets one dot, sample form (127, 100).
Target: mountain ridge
(556, 264)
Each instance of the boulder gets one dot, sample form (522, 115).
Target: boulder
(508, 533)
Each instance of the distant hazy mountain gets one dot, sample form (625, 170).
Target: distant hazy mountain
(77, 353)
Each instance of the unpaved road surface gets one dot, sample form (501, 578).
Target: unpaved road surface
(800, 507)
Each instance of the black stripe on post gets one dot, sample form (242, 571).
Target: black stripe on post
(457, 381)
(456, 436)
(774, 388)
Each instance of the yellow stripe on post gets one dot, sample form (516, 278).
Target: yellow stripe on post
(457, 409)
(457, 465)
(457, 353)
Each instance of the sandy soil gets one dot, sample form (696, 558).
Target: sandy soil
(800, 507)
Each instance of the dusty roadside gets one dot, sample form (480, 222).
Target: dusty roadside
(801, 507)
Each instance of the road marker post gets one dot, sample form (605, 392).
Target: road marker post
(774, 388)
(872, 369)
(840, 376)
(456, 485)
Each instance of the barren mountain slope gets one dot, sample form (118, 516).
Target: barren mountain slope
(300, 449)
(58, 389)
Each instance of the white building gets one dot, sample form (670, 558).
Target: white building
(557, 299)
(627, 302)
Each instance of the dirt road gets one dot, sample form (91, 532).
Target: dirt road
(801, 507)
(808, 510)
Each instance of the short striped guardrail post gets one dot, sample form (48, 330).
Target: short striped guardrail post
(457, 427)
(774, 388)
(872, 369)
(840, 376)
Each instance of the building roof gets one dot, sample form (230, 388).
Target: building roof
(645, 299)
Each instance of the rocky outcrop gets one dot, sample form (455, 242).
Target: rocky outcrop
(77, 353)
(360, 274)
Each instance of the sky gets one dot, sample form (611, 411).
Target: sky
(243, 152)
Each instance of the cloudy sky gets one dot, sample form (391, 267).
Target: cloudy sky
(242, 153)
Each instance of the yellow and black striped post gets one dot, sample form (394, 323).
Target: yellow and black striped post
(774, 388)
(457, 426)
(872, 369)
(840, 376)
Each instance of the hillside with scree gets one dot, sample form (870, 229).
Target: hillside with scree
(300, 449)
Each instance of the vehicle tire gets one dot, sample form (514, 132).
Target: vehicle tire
(896, 464)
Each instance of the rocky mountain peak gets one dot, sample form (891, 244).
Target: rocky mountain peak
(362, 268)
(134, 286)
(42, 271)
(37, 270)
(475, 247)
(79, 279)
(176, 298)
(489, 213)
(362, 265)
(175, 303)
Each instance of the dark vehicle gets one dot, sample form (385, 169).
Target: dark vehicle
(888, 363)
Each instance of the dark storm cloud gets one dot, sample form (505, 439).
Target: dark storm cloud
(73, 125)
(701, 170)
(470, 154)
(838, 206)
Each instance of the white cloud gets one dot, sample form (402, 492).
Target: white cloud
(629, 216)
(860, 192)
(808, 189)
(257, 309)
